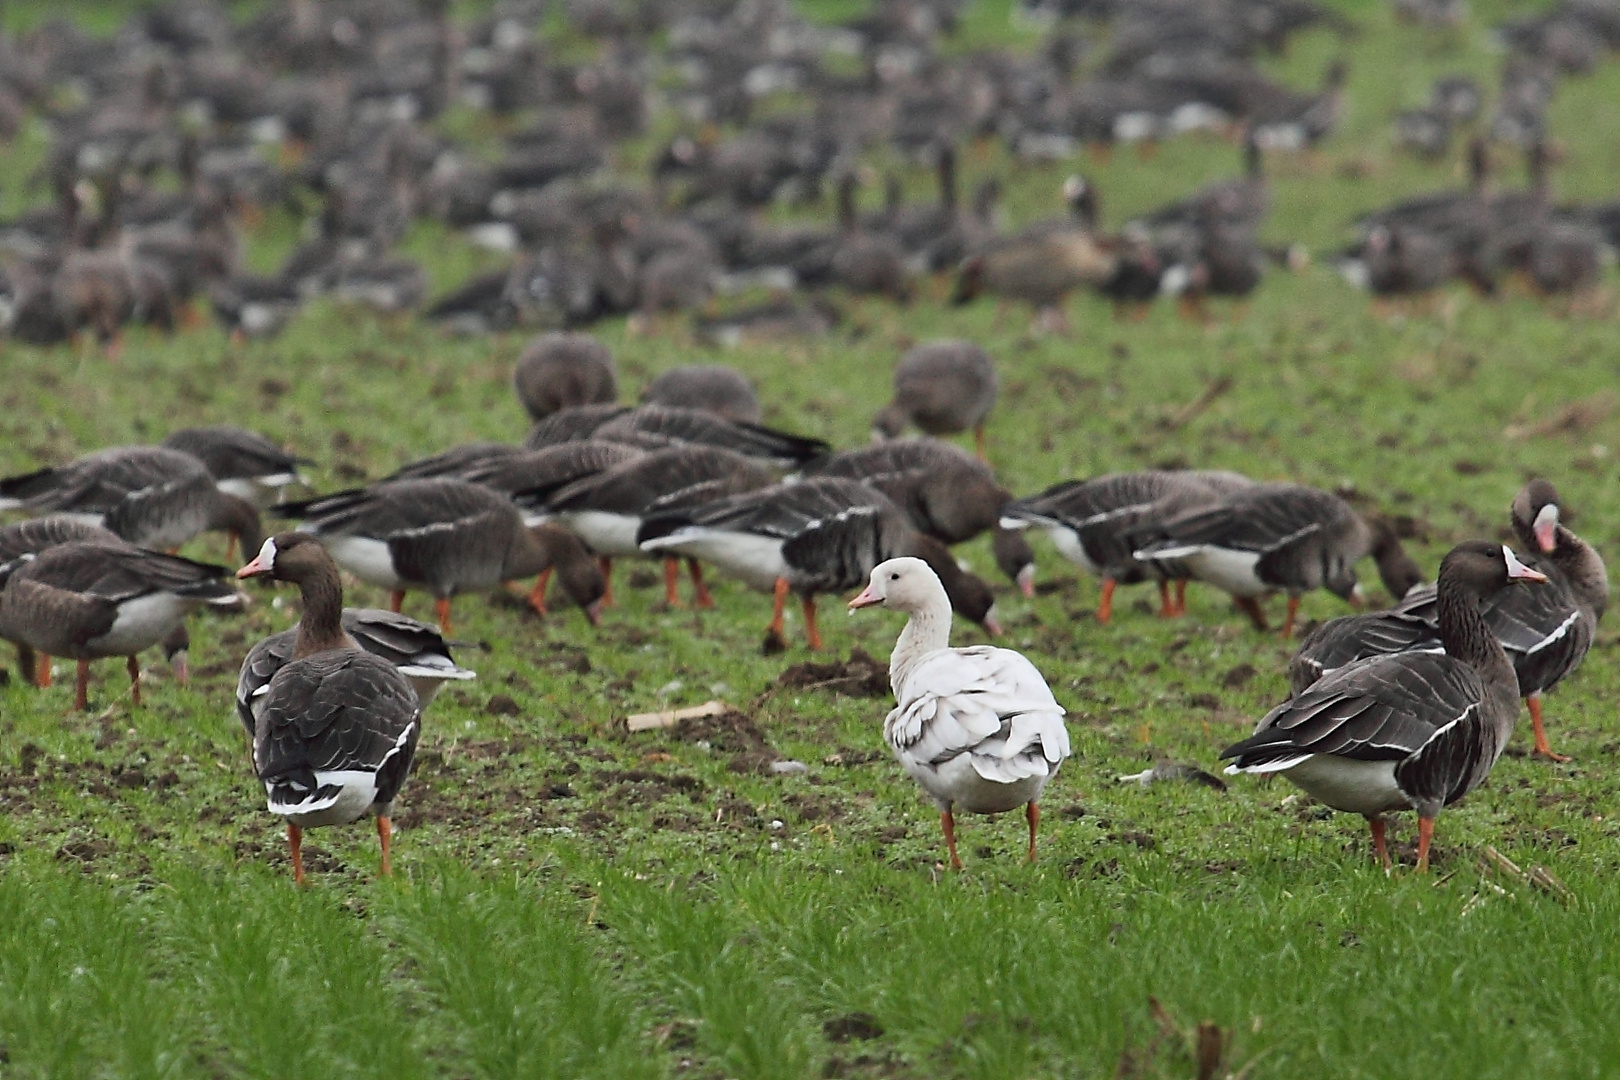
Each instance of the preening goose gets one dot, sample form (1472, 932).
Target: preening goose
(149, 495)
(1546, 632)
(243, 463)
(943, 387)
(559, 371)
(93, 599)
(1271, 537)
(336, 728)
(1093, 524)
(1417, 730)
(977, 728)
(445, 537)
(23, 539)
(814, 536)
(418, 650)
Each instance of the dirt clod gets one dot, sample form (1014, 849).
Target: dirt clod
(859, 676)
(501, 705)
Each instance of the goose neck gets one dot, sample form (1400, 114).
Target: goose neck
(1465, 635)
(927, 631)
(320, 627)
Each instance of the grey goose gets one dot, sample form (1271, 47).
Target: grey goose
(336, 728)
(559, 370)
(823, 534)
(24, 539)
(942, 387)
(714, 388)
(244, 463)
(445, 537)
(1415, 730)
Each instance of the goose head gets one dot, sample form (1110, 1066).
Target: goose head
(290, 556)
(905, 584)
(1535, 515)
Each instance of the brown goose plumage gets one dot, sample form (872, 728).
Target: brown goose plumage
(560, 371)
(943, 387)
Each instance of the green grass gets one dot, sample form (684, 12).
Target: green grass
(572, 901)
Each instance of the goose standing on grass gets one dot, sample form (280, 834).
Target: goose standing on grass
(25, 539)
(244, 463)
(1416, 730)
(559, 371)
(977, 728)
(943, 387)
(445, 537)
(94, 599)
(335, 729)
(418, 650)
(151, 496)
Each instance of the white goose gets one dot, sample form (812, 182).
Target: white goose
(977, 728)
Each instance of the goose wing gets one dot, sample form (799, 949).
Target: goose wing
(259, 666)
(1342, 641)
(660, 425)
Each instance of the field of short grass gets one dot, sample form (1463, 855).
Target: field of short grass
(574, 901)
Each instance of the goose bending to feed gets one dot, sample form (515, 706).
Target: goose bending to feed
(456, 462)
(1092, 523)
(335, 729)
(24, 539)
(716, 388)
(814, 536)
(445, 537)
(418, 650)
(1416, 730)
(94, 599)
(657, 426)
(605, 510)
(977, 728)
(1545, 632)
(943, 387)
(1272, 537)
(559, 371)
(151, 496)
(570, 425)
(244, 463)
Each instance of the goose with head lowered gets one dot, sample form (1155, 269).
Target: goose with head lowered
(562, 370)
(1546, 632)
(93, 599)
(814, 536)
(418, 650)
(149, 495)
(1273, 537)
(976, 728)
(335, 728)
(943, 387)
(1416, 730)
(243, 463)
(445, 537)
(23, 540)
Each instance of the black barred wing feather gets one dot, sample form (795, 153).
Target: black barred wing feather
(1342, 641)
(1260, 519)
(1449, 765)
(258, 668)
(840, 551)
(475, 542)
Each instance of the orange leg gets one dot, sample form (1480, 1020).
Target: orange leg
(1181, 596)
(42, 672)
(396, 600)
(385, 834)
(779, 602)
(295, 844)
(978, 441)
(606, 563)
(947, 821)
(81, 687)
(672, 574)
(1251, 607)
(230, 547)
(811, 634)
(1380, 848)
(537, 595)
(1105, 606)
(1032, 814)
(134, 667)
(1288, 620)
(441, 608)
(700, 591)
(1425, 837)
(1542, 746)
(1167, 606)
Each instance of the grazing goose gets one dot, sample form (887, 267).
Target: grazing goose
(445, 537)
(605, 509)
(1092, 524)
(528, 477)
(93, 599)
(1414, 730)
(416, 649)
(864, 262)
(151, 496)
(560, 371)
(244, 463)
(716, 388)
(570, 425)
(23, 539)
(1545, 632)
(658, 426)
(335, 729)
(946, 492)
(455, 462)
(814, 536)
(1271, 537)
(943, 387)
(977, 728)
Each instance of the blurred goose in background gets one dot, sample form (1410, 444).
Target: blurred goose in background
(558, 371)
(1416, 730)
(943, 387)
(22, 540)
(243, 463)
(715, 388)
(977, 728)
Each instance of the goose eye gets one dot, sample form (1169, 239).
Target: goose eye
(894, 577)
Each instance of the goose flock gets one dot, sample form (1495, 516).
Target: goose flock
(1403, 708)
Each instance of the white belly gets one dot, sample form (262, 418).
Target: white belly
(604, 533)
(359, 791)
(1068, 545)
(142, 623)
(753, 559)
(365, 558)
(1356, 787)
(1230, 570)
(956, 785)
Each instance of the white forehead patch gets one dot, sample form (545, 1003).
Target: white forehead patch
(1513, 563)
(267, 554)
